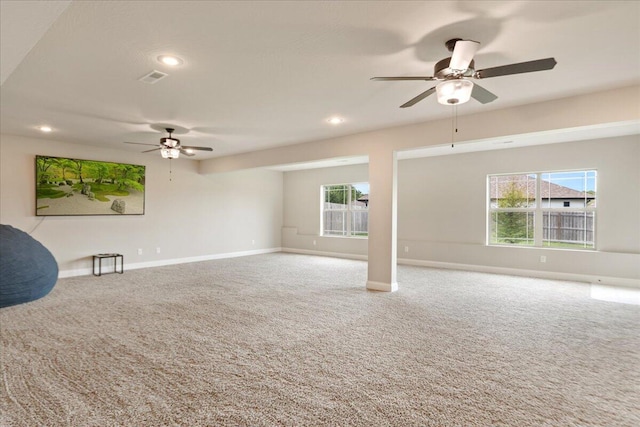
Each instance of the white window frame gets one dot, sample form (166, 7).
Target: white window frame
(539, 210)
(348, 210)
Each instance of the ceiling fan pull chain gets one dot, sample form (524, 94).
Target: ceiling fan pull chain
(454, 125)
(169, 169)
(455, 114)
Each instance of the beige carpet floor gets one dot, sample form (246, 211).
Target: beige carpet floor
(294, 340)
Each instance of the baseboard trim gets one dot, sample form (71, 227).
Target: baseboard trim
(552, 275)
(163, 262)
(73, 273)
(329, 254)
(381, 286)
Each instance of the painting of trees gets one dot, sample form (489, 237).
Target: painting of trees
(129, 176)
(43, 164)
(65, 165)
(87, 187)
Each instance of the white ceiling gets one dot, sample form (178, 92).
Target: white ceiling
(259, 74)
(23, 24)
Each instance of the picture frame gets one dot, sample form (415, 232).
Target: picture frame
(71, 187)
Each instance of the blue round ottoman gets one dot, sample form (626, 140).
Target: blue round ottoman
(28, 271)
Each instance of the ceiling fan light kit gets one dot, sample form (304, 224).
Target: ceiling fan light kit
(169, 153)
(454, 73)
(454, 92)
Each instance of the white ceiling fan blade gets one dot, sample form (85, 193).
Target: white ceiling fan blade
(463, 54)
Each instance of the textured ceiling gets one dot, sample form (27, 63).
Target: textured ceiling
(23, 23)
(259, 74)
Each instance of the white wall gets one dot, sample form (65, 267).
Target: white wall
(192, 217)
(302, 210)
(442, 210)
(442, 216)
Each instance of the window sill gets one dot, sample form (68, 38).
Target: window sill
(496, 245)
(345, 237)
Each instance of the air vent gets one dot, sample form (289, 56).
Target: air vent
(153, 77)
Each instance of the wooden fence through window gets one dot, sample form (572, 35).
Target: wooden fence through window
(335, 219)
(568, 227)
(562, 227)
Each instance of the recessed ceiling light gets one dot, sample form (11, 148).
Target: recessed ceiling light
(170, 60)
(335, 120)
(45, 128)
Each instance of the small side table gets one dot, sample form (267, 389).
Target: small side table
(100, 257)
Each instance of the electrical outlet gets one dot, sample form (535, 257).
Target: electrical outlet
(253, 242)
(406, 248)
(543, 258)
(314, 243)
(158, 250)
(139, 251)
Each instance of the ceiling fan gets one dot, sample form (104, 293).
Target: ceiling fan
(170, 147)
(455, 72)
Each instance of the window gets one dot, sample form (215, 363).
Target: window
(543, 209)
(345, 210)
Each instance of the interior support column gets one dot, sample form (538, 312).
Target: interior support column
(383, 165)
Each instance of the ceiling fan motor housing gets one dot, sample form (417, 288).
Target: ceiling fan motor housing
(441, 70)
(170, 142)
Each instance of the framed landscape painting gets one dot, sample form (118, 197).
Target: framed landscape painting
(66, 186)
